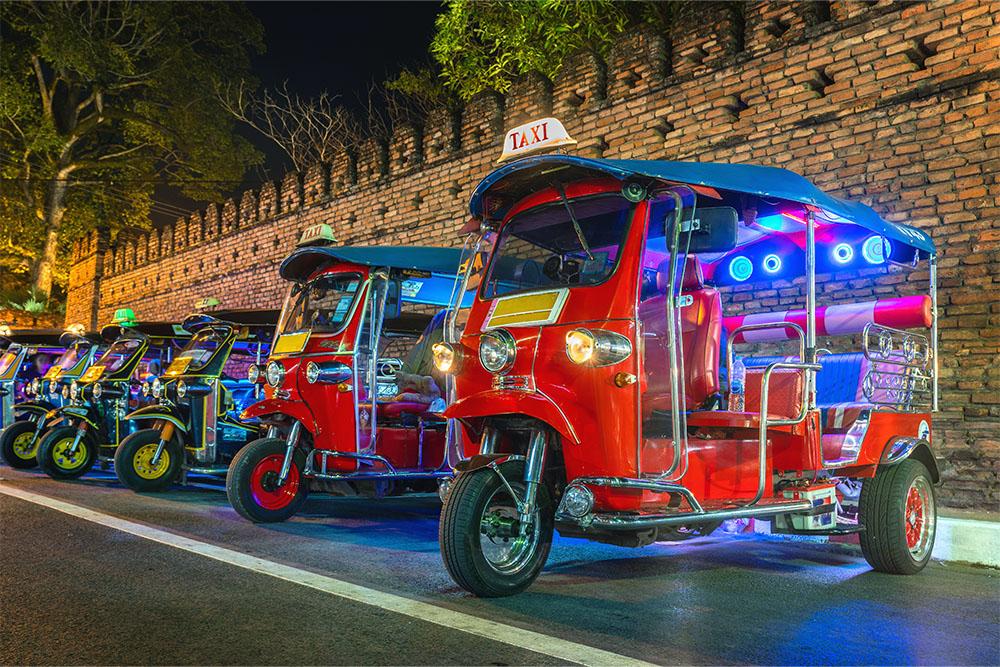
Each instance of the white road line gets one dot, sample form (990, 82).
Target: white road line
(532, 641)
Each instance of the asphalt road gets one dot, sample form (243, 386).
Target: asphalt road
(75, 592)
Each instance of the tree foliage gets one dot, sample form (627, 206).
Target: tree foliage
(102, 101)
(486, 45)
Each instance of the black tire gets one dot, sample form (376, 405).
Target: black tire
(460, 532)
(886, 517)
(12, 445)
(253, 468)
(133, 467)
(54, 464)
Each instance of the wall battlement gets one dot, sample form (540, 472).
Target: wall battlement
(896, 105)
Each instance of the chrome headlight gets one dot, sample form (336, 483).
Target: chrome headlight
(156, 388)
(145, 388)
(74, 390)
(577, 501)
(497, 349)
(35, 384)
(446, 358)
(253, 373)
(97, 390)
(275, 373)
(182, 389)
(312, 372)
(597, 347)
(65, 392)
(330, 372)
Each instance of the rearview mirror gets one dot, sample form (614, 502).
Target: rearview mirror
(712, 230)
(393, 300)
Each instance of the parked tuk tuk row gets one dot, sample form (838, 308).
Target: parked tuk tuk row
(571, 367)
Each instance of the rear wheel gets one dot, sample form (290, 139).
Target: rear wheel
(18, 444)
(252, 482)
(59, 459)
(899, 512)
(482, 541)
(134, 461)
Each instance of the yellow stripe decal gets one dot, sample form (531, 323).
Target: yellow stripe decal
(538, 308)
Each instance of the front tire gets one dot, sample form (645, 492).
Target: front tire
(251, 482)
(19, 445)
(55, 458)
(899, 512)
(480, 534)
(134, 461)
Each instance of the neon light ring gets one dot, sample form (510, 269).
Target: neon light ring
(740, 268)
(843, 253)
(771, 263)
(876, 249)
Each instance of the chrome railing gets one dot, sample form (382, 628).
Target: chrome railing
(901, 375)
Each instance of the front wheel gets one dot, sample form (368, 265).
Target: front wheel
(58, 457)
(898, 511)
(485, 548)
(252, 482)
(19, 444)
(134, 461)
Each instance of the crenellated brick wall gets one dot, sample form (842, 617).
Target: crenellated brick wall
(897, 105)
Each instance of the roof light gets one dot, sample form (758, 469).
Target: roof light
(876, 249)
(771, 263)
(740, 268)
(321, 234)
(843, 253)
(535, 136)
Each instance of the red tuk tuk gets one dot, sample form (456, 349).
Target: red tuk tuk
(351, 404)
(604, 393)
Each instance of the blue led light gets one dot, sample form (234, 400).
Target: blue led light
(843, 253)
(771, 263)
(740, 268)
(876, 249)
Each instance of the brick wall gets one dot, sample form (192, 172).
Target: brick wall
(894, 105)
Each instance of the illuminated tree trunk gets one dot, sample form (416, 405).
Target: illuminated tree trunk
(55, 208)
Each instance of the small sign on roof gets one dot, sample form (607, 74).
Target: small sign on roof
(534, 137)
(321, 234)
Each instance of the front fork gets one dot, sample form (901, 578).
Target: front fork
(81, 431)
(290, 442)
(534, 470)
(166, 433)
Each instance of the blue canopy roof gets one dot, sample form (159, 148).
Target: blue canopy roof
(304, 261)
(770, 182)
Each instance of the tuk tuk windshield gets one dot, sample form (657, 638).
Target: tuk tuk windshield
(559, 245)
(321, 305)
(9, 357)
(119, 353)
(202, 347)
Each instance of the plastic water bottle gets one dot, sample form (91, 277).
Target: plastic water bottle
(736, 386)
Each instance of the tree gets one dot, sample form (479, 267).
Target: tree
(486, 45)
(102, 101)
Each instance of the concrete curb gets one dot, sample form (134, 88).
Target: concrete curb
(974, 541)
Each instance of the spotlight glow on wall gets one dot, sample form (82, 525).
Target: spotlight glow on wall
(740, 268)
(771, 263)
(843, 253)
(876, 249)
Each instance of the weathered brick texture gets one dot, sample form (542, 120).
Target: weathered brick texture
(897, 105)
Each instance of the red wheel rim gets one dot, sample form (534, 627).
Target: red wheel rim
(264, 479)
(914, 517)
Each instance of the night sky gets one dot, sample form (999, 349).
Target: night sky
(339, 47)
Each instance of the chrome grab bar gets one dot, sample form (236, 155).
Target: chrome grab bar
(765, 386)
(645, 485)
(731, 341)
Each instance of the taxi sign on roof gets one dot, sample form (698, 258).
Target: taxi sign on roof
(534, 137)
(321, 234)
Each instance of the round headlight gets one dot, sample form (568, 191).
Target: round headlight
(65, 391)
(145, 388)
(97, 390)
(156, 388)
(74, 390)
(35, 384)
(253, 373)
(182, 389)
(580, 346)
(496, 351)
(312, 372)
(577, 501)
(275, 374)
(446, 357)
